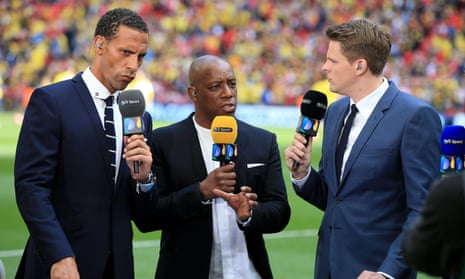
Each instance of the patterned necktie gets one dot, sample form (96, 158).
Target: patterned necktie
(110, 134)
(341, 147)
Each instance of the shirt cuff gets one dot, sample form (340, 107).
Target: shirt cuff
(385, 275)
(300, 182)
(246, 222)
(141, 187)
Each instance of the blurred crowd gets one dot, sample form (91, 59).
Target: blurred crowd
(276, 47)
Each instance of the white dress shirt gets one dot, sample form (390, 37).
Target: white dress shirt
(229, 258)
(99, 93)
(365, 107)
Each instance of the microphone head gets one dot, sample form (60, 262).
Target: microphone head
(131, 103)
(314, 104)
(453, 140)
(224, 129)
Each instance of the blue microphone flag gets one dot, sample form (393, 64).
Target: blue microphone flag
(452, 148)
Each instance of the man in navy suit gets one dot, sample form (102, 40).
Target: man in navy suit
(76, 194)
(205, 234)
(390, 159)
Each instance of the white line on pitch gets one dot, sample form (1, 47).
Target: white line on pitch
(156, 243)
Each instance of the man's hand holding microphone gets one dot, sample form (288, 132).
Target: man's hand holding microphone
(298, 154)
(136, 150)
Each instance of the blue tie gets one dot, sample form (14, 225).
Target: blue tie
(110, 134)
(341, 146)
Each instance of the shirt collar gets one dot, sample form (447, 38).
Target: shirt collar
(366, 105)
(203, 132)
(96, 88)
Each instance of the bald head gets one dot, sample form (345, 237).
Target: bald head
(212, 88)
(200, 64)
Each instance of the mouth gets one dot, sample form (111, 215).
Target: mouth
(229, 108)
(127, 78)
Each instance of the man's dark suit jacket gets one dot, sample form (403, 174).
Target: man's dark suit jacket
(435, 243)
(64, 188)
(186, 222)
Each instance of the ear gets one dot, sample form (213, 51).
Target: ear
(360, 64)
(191, 91)
(99, 42)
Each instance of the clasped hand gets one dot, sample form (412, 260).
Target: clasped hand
(220, 183)
(242, 202)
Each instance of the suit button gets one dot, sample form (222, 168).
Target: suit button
(337, 200)
(330, 228)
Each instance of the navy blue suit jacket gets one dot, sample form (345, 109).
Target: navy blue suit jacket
(385, 181)
(186, 223)
(64, 188)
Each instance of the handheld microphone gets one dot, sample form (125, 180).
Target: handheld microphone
(312, 110)
(453, 149)
(132, 106)
(224, 132)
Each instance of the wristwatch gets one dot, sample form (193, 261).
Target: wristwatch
(149, 179)
(147, 184)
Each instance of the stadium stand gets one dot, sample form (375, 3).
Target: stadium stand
(276, 47)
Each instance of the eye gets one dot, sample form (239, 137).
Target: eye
(214, 87)
(233, 84)
(126, 52)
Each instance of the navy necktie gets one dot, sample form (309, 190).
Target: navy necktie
(341, 146)
(110, 134)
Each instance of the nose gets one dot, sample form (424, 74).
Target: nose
(228, 91)
(324, 68)
(133, 63)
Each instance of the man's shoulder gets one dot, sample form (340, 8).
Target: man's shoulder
(60, 87)
(58, 91)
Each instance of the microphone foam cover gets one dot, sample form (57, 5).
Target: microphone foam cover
(453, 140)
(131, 103)
(314, 104)
(224, 129)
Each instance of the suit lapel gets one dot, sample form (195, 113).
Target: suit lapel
(241, 161)
(332, 132)
(371, 124)
(84, 95)
(195, 150)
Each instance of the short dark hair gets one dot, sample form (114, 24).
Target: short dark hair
(360, 38)
(110, 22)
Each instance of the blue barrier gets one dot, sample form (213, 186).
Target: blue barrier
(258, 115)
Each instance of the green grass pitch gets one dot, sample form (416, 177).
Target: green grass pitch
(291, 252)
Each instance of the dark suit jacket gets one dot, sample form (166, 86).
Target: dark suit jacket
(186, 223)
(64, 188)
(386, 178)
(435, 242)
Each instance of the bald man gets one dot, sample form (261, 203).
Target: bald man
(212, 217)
